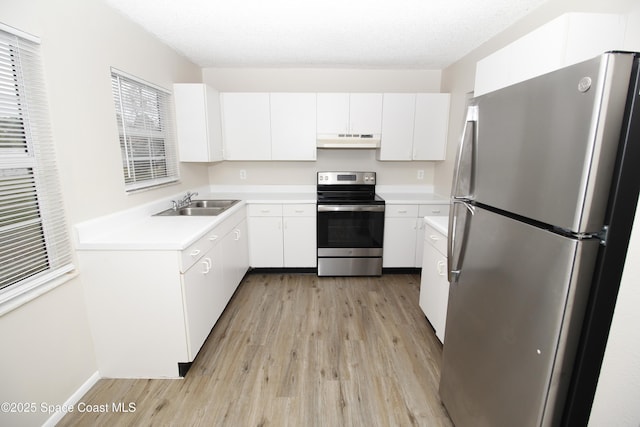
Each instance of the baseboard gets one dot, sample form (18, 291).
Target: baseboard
(73, 400)
(283, 270)
(401, 270)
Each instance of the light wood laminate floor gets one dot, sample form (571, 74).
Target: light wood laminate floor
(298, 350)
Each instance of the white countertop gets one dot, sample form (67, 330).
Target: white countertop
(440, 223)
(409, 195)
(138, 229)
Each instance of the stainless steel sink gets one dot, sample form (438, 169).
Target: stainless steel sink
(213, 203)
(200, 208)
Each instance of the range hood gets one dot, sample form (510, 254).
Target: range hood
(348, 140)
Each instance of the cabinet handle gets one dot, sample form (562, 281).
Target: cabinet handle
(441, 265)
(404, 211)
(237, 231)
(299, 211)
(436, 211)
(265, 210)
(195, 253)
(434, 237)
(213, 238)
(207, 265)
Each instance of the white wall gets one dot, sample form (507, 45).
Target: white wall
(321, 80)
(616, 399)
(47, 352)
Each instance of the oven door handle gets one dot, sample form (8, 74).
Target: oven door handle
(350, 208)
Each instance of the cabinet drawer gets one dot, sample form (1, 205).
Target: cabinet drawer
(305, 209)
(196, 250)
(436, 239)
(400, 211)
(265, 210)
(434, 210)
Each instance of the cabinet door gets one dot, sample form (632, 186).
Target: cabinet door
(300, 249)
(198, 125)
(265, 242)
(214, 124)
(246, 126)
(332, 113)
(399, 242)
(419, 241)
(201, 306)
(365, 113)
(398, 116)
(431, 126)
(240, 251)
(293, 126)
(434, 289)
(235, 259)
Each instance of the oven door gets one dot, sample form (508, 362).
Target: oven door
(350, 230)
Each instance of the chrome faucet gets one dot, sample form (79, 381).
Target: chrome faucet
(186, 201)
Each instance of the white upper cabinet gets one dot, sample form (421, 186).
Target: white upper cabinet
(198, 124)
(333, 113)
(246, 126)
(365, 113)
(269, 126)
(293, 126)
(355, 113)
(431, 126)
(398, 116)
(566, 40)
(414, 126)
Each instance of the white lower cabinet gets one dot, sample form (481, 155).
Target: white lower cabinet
(399, 245)
(150, 310)
(235, 258)
(434, 284)
(282, 235)
(403, 233)
(266, 244)
(202, 306)
(299, 235)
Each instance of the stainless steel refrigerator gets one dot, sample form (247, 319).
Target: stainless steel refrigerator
(544, 193)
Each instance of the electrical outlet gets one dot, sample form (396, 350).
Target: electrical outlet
(420, 174)
(243, 174)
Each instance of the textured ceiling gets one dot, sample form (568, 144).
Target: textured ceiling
(429, 34)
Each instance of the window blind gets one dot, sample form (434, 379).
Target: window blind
(146, 139)
(34, 240)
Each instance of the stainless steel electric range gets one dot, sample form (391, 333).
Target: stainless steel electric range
(350, 224)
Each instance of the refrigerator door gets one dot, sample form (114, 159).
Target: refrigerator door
(546, 147)
(514, 313)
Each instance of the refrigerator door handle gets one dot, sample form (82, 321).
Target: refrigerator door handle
(457, 241)
(462, 188)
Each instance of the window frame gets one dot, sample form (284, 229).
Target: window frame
(154, 140)
(29, 181)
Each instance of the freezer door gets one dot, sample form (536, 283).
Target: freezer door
(546, 147)
(513, 320)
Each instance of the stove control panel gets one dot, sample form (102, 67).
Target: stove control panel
(346, 178)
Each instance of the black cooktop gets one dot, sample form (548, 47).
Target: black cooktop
(332, 196)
